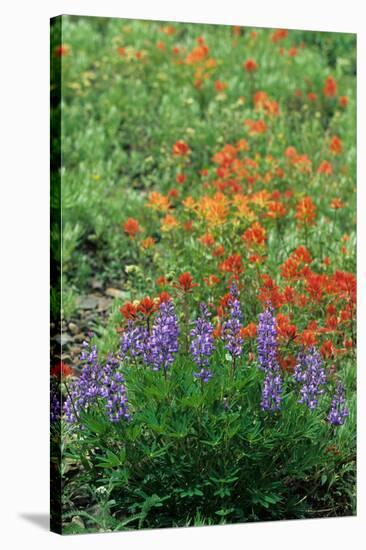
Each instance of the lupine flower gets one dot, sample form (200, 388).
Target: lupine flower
(55, 404)
(115, 392)
(97, 382)
(204, 375)
(338, 411)
(232, 326)
(271, 392)
(267, 341)
(202, 343)
(310, 372)
(133, 340)
(267, 347)
(162, 343)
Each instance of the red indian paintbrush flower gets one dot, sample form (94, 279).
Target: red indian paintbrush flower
(147, 306)
(131, 227)
(180, 148)
(325, 167)
(61, 370)
(336, 145)
(62, 50)
(128, 310)
(279, 34)
(250, 65)
(164, 297)
(180, 178)
(330, 87)
(305, 211)
(185, 282)
(232, 264)
(343, 101)
(336, 204)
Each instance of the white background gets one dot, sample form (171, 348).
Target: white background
(24, 273)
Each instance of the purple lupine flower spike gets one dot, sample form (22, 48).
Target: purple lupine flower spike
(267, 347)
(55, 405)
(338, 411)
(231, 327)
(271, 392)
(97, 382)
(202, 343)
(310, 373)
(133, 340)
(162, 344)
(267, 341)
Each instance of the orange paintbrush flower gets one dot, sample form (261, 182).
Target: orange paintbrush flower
(61, 370)
(220, 86)
(276, 209)
(255, 126)
(343, 101)
(211, 280)
(335, 145)
(158, 202)
(279, 34)
(325, 167)
(149, 242)
(168, 223)
(250, 65)
(255, 234)
(232, 264)
(330, 87)
(250, 331)
(308, 338)
(305, 211)
(62, 50)
(128, 310)
(180, 178)
(162, 281)
(131, 227)
(207, 239)
(336, 204)
(185, 282)
(147, 306)
(180, 148)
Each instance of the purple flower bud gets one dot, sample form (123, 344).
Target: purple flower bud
(133, 340)
(97, 382)
(267, 347)
(231, 327)
(202, 343)
(162, 344)
(203, 374)
(55, 404)
(271, 392)
(338, 411)
(310, 373)
(267, 341)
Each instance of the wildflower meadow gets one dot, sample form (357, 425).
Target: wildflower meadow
(203, 301)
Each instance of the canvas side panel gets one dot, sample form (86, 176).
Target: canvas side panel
(55, 271)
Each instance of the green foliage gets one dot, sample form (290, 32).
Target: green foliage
(208, 452)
